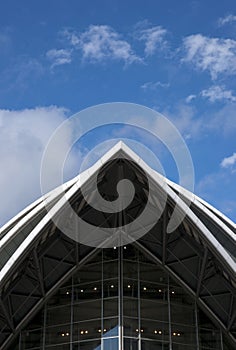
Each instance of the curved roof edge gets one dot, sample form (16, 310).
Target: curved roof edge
(202, 204)
(119, 149)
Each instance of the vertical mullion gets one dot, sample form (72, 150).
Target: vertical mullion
(102, 303)
(197, 325)
(44, 326)
(120, 297)
(20, 340)
(221, 340)
(71, 312)
(169, 314)
(139, 307)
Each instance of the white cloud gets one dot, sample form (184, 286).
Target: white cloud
(215, 55)
(228, 161)
(154, 39)
(218, 93)
(154, 85)
(190, 98)
(227, 19)
(100, 43)
(59, 57)
(23, 136)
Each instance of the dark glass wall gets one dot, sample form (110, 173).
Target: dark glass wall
(121, 301)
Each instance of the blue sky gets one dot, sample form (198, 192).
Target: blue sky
(59, 57)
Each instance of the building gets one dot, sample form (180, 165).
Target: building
(158, 290)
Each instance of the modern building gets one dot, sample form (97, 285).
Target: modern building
(145, 290)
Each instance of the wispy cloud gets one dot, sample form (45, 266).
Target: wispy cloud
(5, 40)
(228, 162)
(19, 75)
(227, 19)
(184, 118)
(218, 93)
(190, 98)
(215, 55)
(154, 39)
(223, 120)
(59, 57)
(6, 43)
(204, 186)
(100, 43)
(150, 85)
(212, 188)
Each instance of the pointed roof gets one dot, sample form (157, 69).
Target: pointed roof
(203, 239)
(36, 216)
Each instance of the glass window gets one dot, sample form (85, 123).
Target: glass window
(131, 327)
(84, 313)
(57, 334)
(130, 288)
(130, 344)
(86, 310)
(182, 314)
(110, 307)
(153, 345)
(87, 330)
(110, 344)
(110, 288)
(155, 330)
(182, 334)
(154, 310)
(87, 345)
(58, 315)
(110, 327)
(130, 307)
(110, 269)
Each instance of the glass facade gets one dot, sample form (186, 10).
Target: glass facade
(121, 301)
